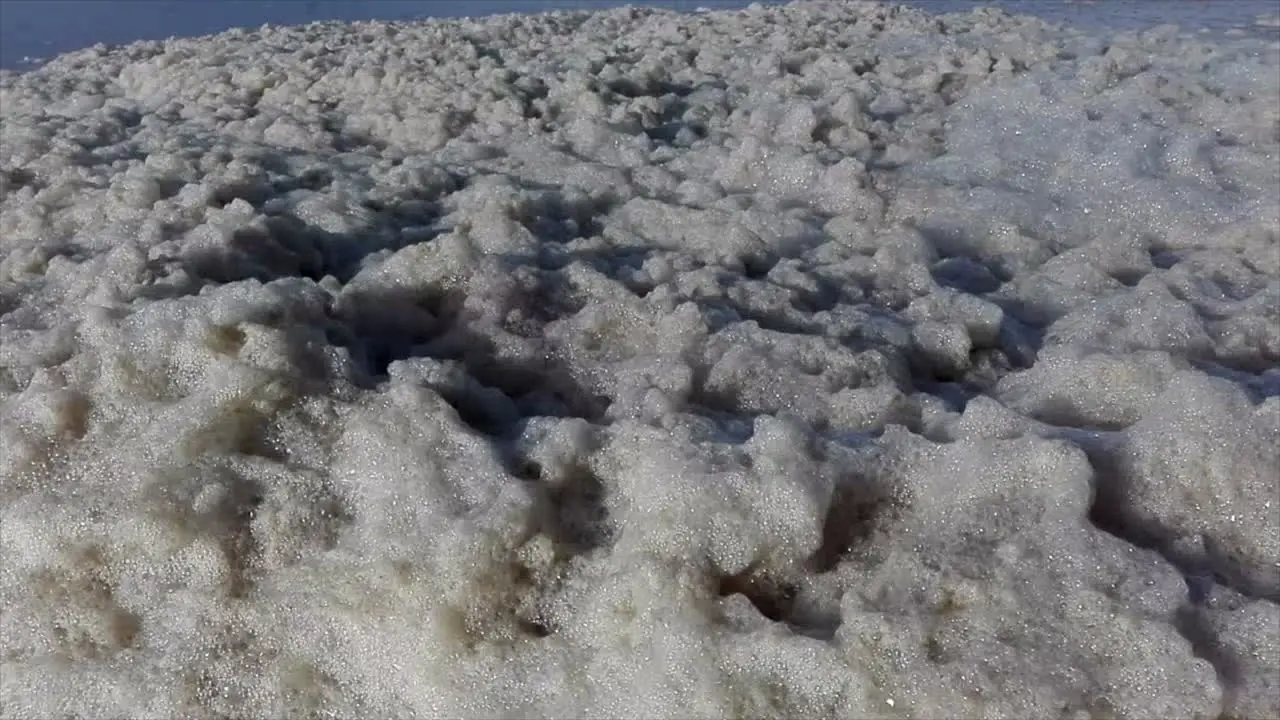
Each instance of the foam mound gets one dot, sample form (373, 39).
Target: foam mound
(828, 359)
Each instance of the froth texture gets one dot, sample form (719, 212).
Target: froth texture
(830, 359)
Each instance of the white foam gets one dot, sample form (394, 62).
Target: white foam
(822, 359)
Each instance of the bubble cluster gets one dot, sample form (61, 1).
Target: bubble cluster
(828, 359)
